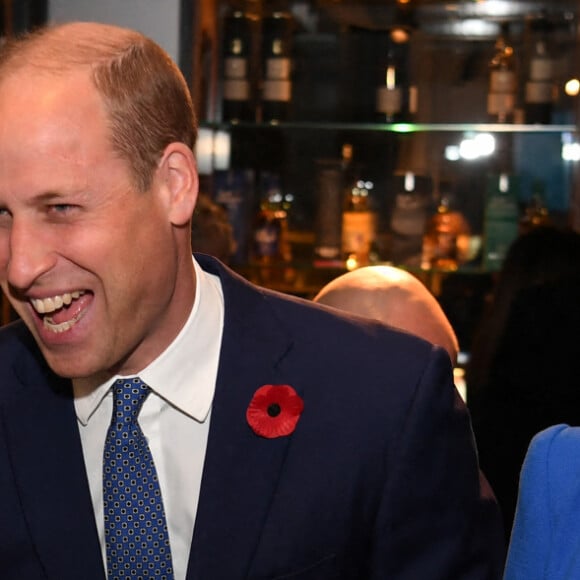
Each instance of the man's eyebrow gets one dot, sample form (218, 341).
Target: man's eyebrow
(49, 196)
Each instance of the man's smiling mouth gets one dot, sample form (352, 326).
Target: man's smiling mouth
(62, 315)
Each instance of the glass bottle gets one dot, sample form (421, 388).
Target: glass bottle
(328, 219)
(540, 87)
(397, 94)
(501, 97)
(535, 214)
(237, 99)
(409, 217)
(277, 27)
(270, 244)
(390, 92)
(446, 238)
(358, 218)
(500, 219)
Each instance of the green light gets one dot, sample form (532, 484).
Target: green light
(404, 128)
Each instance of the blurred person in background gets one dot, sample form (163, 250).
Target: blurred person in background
(394, 296)
(211, 231)
(522, 375)
(541, 255)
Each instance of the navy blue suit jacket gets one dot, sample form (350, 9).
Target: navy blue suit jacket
(379, 479)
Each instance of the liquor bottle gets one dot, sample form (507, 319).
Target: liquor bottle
(389, 97)
(409, 217)
(233, 190)
(501, 97)
(358, 218)
(328, 221)
(540, 87)
(535, 214)
(446, 238)
(396, 98)
(237, 98)
(500, 219)
(270, 244)
(276, 66)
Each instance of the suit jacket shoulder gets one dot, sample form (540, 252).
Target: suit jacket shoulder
(21, 361)
(47, 527)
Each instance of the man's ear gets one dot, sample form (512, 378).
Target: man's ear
(178, 182)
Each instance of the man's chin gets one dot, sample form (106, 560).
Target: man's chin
(72, 366)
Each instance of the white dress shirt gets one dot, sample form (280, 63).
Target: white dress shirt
(174, 417)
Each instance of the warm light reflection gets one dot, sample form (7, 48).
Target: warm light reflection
(351, 262)
(390, 78)
(460, 382)
(572, 87)
(400, 35)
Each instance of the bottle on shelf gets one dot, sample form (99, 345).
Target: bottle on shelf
(535, 214)
(446, 238)
(396, 98)
(233, 189)
(239, 32)
(328, 219)
(409, 217)
(277, 30)
(503, 84)
(271, 248)
(500, 218)
(359, 221)
(540, 88)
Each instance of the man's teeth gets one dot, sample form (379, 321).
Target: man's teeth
(49, 323)
(47, 305)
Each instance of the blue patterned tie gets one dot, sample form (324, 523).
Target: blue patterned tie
(135, 527)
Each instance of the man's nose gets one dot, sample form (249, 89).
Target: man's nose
(30, 255)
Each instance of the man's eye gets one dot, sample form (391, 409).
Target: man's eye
(5, 218)
(60, 208)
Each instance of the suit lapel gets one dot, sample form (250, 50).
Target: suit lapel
(241, 470)
(41, 430)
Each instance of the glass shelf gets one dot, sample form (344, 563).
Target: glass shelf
(394, 127)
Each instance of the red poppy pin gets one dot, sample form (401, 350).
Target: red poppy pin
(274, 411)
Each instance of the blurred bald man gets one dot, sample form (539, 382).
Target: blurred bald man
(393, 296)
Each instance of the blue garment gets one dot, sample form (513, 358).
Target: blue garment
(545, 541)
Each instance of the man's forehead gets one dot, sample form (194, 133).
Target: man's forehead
(44, 96)
(61, 118)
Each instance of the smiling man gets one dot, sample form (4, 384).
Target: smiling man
(160, 417)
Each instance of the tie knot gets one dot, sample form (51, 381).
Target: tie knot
(128, 397)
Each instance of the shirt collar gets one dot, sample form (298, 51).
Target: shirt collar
(185, 373)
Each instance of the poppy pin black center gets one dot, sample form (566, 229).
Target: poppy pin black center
(274, 409)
